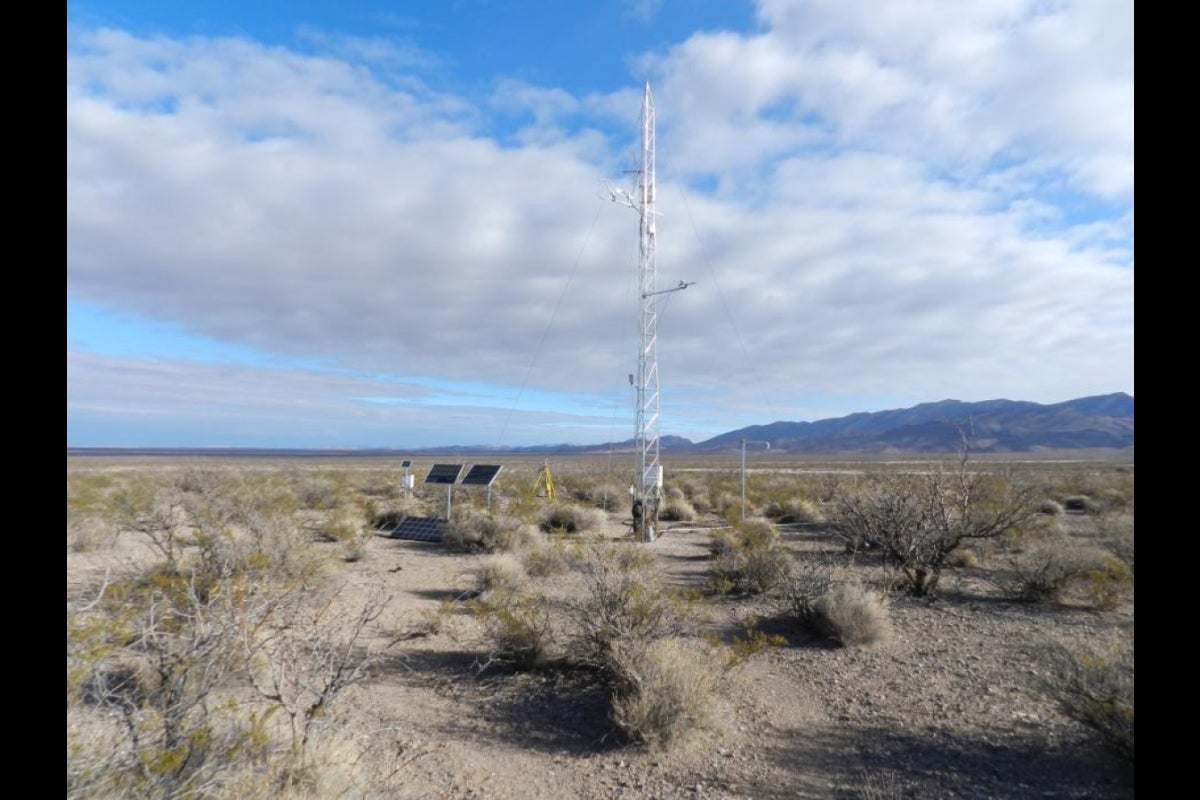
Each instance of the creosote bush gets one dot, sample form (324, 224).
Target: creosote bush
(917, 521)
(209, 666)
(807, 579)
(1094, 684)
(1116, 535)
(623, 600)
(518, 630)
(1044, 569)
(748, 559)
(1108, 582)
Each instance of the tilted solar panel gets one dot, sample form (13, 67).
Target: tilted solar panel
(443, 473)
(481, 475)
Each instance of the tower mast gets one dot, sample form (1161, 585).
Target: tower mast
(648, 478)
(649, 472)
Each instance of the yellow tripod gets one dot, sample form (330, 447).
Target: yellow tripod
(545, 482)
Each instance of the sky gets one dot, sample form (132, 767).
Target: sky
(372, 224)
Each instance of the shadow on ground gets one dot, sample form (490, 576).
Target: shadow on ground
(877, 762)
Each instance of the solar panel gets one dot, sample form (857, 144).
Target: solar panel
(406, 464)
(418, 529)
(481, 475)
(443, 473)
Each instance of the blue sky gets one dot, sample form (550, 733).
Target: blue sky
(369, 224)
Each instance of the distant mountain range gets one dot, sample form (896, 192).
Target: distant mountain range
(995, 426)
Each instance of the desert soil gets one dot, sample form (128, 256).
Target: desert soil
(946, 709)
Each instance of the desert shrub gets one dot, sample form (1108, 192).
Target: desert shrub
(560, 518)
(384, 484)
(722, 541)
(807, 579)
(544, 561)
(1116, 536)
(85, 533)
(199, 480)
(916, 521)
(607, 496)
(319, 494)
(794, 510)
(501, 577)
(697, 494)
(751, 559)
(1043, 570)
(964, 558)
(552, 558)
(662, 689)
(154, 513)
(1094, 685)
(341, 527)
(519, 632)
(727, 504)
(1108, 582)
(490, 533)
(623, 600)
(678, 510)
(1082, 503)
(304, 655)
(276, 547)
(1051, 507)
(852, 615)
(142, 666)
(1113, 499)
(746, 644)
(163, 659)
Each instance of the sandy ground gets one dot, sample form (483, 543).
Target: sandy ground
(946, 709)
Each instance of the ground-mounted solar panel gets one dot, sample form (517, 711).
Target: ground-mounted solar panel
(443, 473)
(406, 464)
(481, 475)
(418, 529)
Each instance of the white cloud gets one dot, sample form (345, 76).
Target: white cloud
(958, 84)
(886, 214)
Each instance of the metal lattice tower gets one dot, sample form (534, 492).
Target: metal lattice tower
(648, 475)
(646, 439)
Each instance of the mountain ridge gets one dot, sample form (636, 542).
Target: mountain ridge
(993, 426)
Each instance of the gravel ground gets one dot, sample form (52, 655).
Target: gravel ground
(947, 708)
